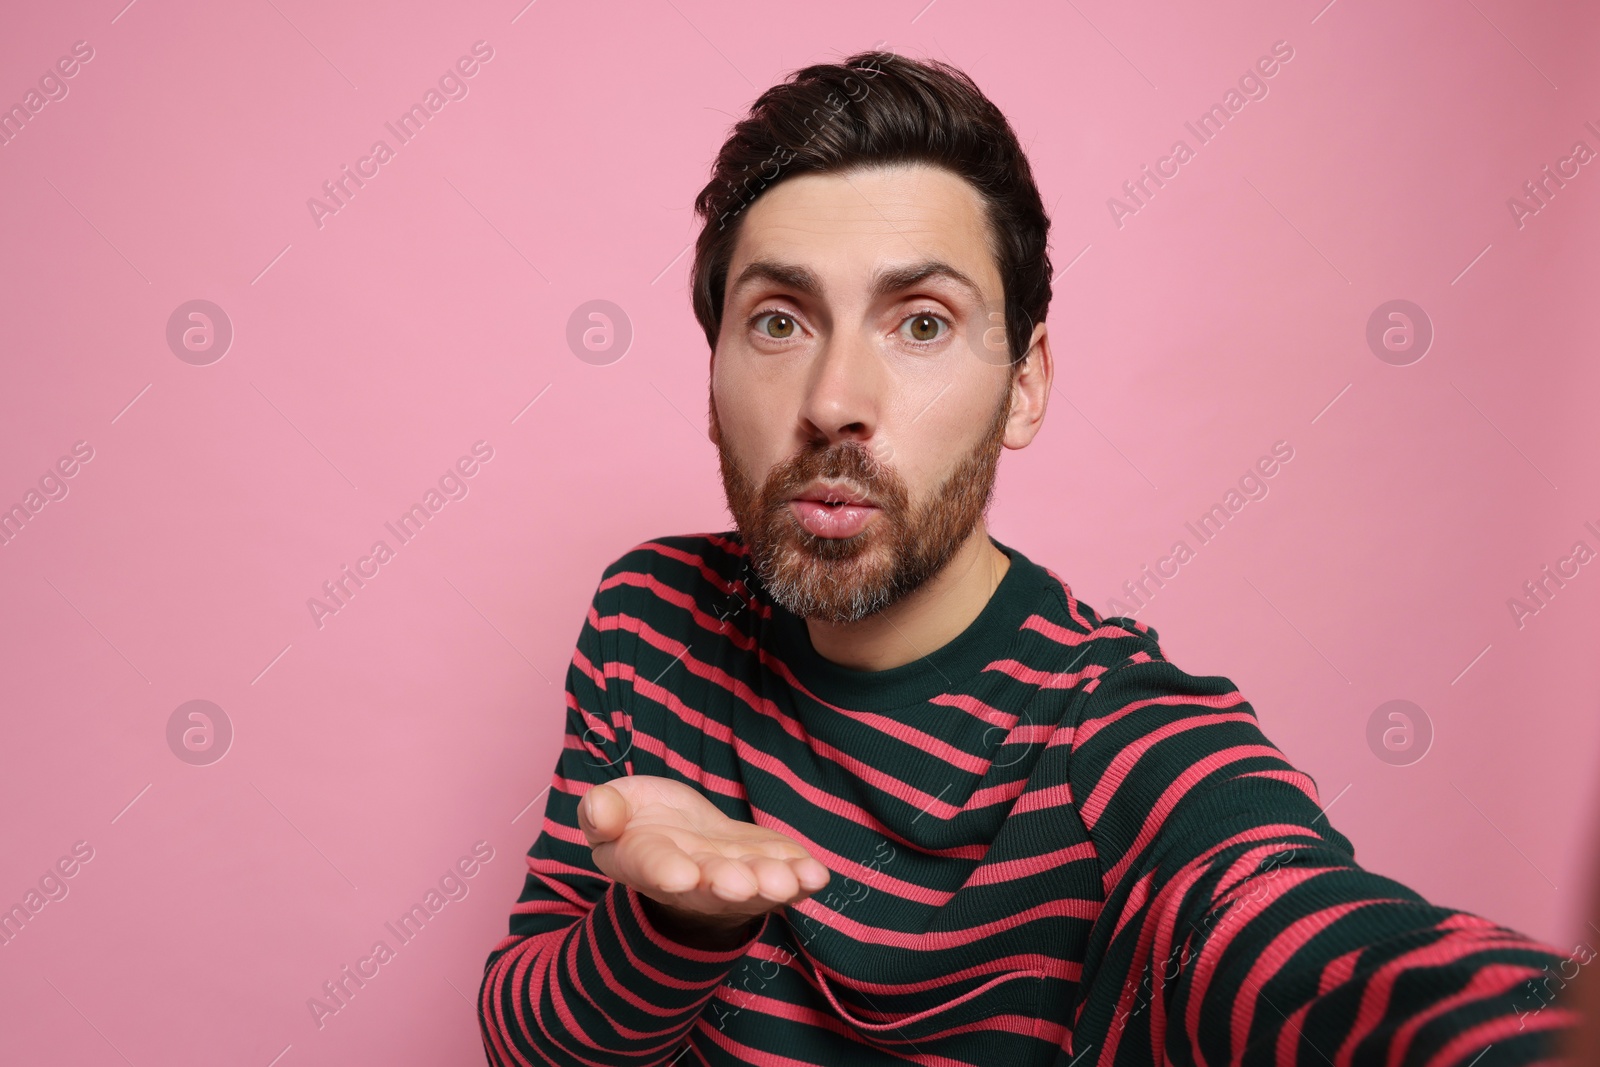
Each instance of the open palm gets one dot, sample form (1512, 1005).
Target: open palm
(671, 844)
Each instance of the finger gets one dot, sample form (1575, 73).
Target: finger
(602, 854)
(602, 814)
(730, 880)
(776, 879)
(654, 862)
(811, 874)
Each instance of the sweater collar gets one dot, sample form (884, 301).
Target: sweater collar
(952, 667)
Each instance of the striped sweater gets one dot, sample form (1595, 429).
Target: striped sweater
(1048, 845)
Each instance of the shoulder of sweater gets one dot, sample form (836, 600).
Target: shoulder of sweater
(1088, 638)
(680, 561)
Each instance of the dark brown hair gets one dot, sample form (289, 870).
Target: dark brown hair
(879, 108)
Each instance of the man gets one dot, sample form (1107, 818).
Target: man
(855, 783)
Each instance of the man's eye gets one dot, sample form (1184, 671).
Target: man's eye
(781, 328)
(925, 327)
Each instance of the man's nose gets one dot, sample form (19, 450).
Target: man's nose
(844, 390)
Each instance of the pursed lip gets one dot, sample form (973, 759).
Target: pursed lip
(835, 492)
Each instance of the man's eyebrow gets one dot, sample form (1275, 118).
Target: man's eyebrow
(884, 282)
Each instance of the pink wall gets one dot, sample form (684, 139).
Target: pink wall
(373, 347)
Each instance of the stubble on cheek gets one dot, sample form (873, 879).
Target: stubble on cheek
(845, 579)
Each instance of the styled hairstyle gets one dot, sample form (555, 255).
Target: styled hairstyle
(878, 108)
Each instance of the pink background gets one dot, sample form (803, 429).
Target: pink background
(371, 352)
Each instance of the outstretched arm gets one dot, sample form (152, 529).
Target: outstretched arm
(1237, 927)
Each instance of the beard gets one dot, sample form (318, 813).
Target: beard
(844, 580)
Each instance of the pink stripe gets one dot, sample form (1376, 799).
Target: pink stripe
(1072, 601)
(1224, 700)
(584, 664)
(592, 1005)
(1299, 779)
(1008, 870)
(675, 949)
(1492, 1030)
(530, 965)
(895, 1022)
(1487, 981)
(1278, 952)
(1157, 816)
(1137, 894)
(544, 978)
(820, 798)
(686, 602)
(937, 940)
(1071, 638)
(1033, 733)
(1165, 907)
(884, 724)
(728, 547)
(1047, 965)
(772, 1006)
(743, 1053)
(1051, 796)
(562, 832)
(1044, 679)
(840, 864)
(988, 713)
(489, 1005)
(919, 739)
(1289, 1035)
(534, 960)
(691, 770)
(1338, 971)
(546, 907)
(783, 1009)
(693, 559)
(1471, 934)
(554, 877)
(1211, 952)
(1160, 925)
(872, 775)
(995, 794)
(887, 783)
(1152, 944)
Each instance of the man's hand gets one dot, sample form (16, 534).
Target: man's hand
(1581, 1044)
(673, 846)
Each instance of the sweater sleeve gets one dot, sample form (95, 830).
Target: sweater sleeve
(1237, 927)
(584, 977)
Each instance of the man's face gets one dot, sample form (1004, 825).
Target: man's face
(827, 383)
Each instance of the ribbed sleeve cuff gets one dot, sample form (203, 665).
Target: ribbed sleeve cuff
(653, 939)
(665, 974)
(611, 988)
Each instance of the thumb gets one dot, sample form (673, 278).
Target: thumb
(603, 814)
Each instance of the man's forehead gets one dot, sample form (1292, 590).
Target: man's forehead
(874, 227)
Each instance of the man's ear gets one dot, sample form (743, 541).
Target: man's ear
(1032, 378)
(713, 431)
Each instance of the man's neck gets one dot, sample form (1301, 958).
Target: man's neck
(925, 619)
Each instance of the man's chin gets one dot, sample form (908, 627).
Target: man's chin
(829, 579)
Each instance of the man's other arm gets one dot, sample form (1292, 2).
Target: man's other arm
(1237, 926)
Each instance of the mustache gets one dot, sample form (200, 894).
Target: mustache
(847, 461)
